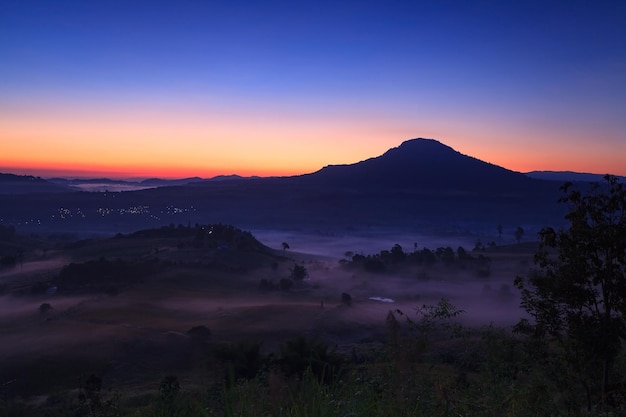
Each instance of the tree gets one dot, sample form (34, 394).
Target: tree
(298, 272)
(346, 299)
(577, 295)
(44, 308)
(519, 232)
(461, 253)
(285, 246)
(200, 334)
(169, 391)
(300, 355)
(397, 254)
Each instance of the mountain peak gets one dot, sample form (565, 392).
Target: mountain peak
(421, 148)
(422, 142)
(424, 164)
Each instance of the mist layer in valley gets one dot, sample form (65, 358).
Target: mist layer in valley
(124, 307)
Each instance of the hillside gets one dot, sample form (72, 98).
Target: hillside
(27, 184)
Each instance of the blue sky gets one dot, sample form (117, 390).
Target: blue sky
(523, 84)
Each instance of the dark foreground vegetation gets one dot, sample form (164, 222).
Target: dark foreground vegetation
(565, 358)
(431, 366)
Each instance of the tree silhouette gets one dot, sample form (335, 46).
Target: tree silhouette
(285, 246)
(44, 308)
(346, 299)
(577, 296)
(298, 272)
(397, 254)
(519, 232)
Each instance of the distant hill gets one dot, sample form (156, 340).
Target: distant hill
(115, 185)
(424, 164)
(565, 176)
(27, 184)
(231, 177)
(158, 182)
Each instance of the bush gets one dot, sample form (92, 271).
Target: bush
(200, 334)
(242, 360)
(298, 273)
(44, 308)
(286, 284)
(300, 355)
(346, 299)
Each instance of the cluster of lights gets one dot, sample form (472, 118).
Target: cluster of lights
(136, 210)
(105, 211)
(178, 210)
(64, 213)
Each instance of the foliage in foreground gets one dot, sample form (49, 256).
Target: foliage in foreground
(431, 367)
(577, 294)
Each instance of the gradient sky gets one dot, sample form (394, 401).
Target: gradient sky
(175, 89)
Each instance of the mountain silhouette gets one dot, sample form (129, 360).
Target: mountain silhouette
(569, 176)
(424, 164)
(11, 184)
(421, 184)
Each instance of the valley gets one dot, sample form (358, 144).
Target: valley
(132, 334)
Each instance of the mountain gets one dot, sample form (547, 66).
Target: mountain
(421, 185)
(424, 165)
(230, 177)
(27, 184)
(158, 182)
(565, 176)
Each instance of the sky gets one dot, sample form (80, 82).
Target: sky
(203, 88)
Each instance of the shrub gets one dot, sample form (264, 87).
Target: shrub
(199, 334)
(346, 299)
(241, 360)
(300, 355)
(298, 273)
(44, 308)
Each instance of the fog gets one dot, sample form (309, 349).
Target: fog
(111, 187)
(144, 326)
(337, 243)
(485, 300)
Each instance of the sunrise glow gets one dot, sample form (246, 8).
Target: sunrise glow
(206, 90)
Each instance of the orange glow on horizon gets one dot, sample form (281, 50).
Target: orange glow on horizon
(130, 173)
(176, 141)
